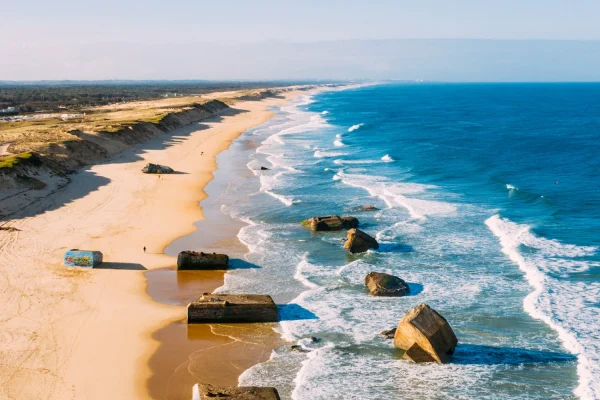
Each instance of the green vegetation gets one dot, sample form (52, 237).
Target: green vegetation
(11, 161)
(63, 96)
(156, 120)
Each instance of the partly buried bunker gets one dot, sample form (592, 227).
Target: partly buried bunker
(223, 308)
(82, 258)
(157, 169)
(198, 260)
(202, 391)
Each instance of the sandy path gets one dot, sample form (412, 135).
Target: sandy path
(4, 149)
(75, 334)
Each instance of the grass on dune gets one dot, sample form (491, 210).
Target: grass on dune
(11, 161)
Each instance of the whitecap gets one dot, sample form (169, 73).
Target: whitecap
(354, 127)
(344, 162)
(321, 154)
(553, 301)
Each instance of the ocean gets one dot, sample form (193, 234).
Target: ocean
(488, 200)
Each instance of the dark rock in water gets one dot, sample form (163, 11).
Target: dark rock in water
(232, 308)
(389, 334)
(157, 169)
(315, 339)
(198, 260)
(330, 223)
(367, 208)
(264, 169)
(358, 241)
(425, 335)
(208, 392)
(381, 284)
(299, 349)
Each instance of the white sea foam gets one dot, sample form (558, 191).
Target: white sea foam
(355, 162)
(351, 360)
(553, 301)
(391, 233)
(325, 112)
(355, 319)
(310, 366)
(338, 140)
(297, 121)
(354, 127)
(271, 181)
(321, 154)
(387, 158)
(299, 276)
(394, 194)
(287, 200)
(279, 161)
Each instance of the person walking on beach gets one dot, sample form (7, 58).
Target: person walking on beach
(144, 249)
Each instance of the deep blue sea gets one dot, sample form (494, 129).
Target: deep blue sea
(489, 207)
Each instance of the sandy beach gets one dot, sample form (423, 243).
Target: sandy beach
(100, 334)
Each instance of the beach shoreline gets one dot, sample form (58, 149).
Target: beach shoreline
(96, 333)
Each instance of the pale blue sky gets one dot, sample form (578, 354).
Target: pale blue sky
(196, 39)
(235, 21)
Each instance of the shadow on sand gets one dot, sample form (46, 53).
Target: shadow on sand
(120, 265)
(85, 181)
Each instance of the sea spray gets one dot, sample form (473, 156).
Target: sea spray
(512, 236)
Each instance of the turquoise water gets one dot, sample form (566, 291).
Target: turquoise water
(489, 207)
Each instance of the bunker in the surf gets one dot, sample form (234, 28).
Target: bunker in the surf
(82, 258)
(425, 335)
(193, 260)
(214, 308)
(382, 284)
(358, 241)
(330, 223)
(202, 391)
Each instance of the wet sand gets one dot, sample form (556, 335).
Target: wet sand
(215, 354)
(208, 353)
(98, 334)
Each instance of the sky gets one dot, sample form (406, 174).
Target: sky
(95, 39)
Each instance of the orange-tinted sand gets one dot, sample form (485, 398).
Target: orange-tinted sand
(99, 334)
